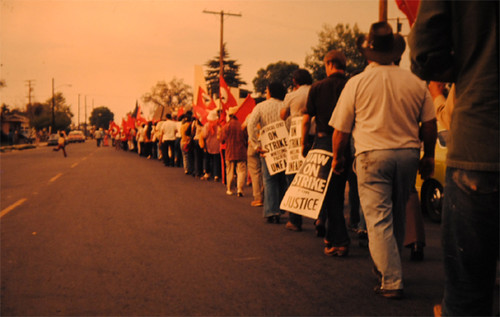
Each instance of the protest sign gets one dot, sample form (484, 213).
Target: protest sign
(273, 139)
(307, 191)
(294, 151)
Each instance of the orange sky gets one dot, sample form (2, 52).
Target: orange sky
(114, 51)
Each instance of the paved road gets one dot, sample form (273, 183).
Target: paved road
(105, 232)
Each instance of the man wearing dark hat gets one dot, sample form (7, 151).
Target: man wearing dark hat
(382, 107)
(321, 101)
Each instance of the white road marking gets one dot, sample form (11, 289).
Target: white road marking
(11, 207)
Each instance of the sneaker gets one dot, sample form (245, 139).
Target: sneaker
(256, 203)
(240, 194)
(229, 192)
(216, 178)
(336, 251)
(389, 293)
(290, 226)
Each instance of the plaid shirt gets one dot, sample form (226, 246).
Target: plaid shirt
(263, 114)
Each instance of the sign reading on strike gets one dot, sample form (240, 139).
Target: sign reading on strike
(294, 154)
(273, 139)
(307, 191)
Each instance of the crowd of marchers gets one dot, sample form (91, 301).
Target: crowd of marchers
(380, 126)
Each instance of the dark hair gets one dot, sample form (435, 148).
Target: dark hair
(277, 90)
(169, 116)
(302, 77)
(337, 58)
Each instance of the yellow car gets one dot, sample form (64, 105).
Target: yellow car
(432, 190)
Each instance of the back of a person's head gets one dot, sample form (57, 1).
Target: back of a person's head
(337, 58)
(169, 116)
(277, 90)
(302, 77)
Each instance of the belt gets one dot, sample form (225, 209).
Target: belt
(323, 135)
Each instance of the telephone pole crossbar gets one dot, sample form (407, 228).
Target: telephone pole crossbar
(222, 13)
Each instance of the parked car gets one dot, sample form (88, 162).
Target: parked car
(432, 189)
(53, 138)
(76, 136)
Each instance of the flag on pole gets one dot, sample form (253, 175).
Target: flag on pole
(139, 118)
(115, 129)
(201, 113)
(409, 8)
(204, 100)
(227, 99)
(245, 109)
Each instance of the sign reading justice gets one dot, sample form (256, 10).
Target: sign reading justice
(307, 191)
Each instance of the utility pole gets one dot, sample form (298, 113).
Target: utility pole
(85, 115)
(30, 89)
(222, 13)
(53, 106)
(78, 123)
(382, 10)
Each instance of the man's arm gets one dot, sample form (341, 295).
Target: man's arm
(284, 113)
(429, 136)
(306, 125)
(430, 42)
(340, 140)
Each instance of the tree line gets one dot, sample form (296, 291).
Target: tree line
(175, 93)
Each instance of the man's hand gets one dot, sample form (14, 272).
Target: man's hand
(338, 165)
(261, 151)
(426, 167)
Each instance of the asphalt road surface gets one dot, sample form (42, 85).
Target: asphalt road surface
(106, 232)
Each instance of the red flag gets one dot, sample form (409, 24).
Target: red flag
(140, 119)
(245, 109)
(201, 113)
(180, 112)
(409, 8)
(114, 128)
(227, 99)
(130, 122)
(205, 100)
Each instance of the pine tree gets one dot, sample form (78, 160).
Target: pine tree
(231, 72)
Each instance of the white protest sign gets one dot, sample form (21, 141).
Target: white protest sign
(294, 153)
(307, 191)
(273, 139)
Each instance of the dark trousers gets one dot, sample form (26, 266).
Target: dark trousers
(470, 241)
(167, 152)
(332, 211)
(295, 219)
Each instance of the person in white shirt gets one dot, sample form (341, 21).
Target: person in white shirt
(383, 108)
(168, 131)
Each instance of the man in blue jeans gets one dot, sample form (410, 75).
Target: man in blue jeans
(463, 48)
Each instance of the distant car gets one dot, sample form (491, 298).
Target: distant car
(76, 136)
(53, 138)
(432, 189)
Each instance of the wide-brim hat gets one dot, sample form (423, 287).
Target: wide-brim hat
(381, 45)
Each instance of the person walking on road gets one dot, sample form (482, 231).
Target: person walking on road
(463, 49)
(321, 102)
(61, 143)
(236, 152)
(384, 107)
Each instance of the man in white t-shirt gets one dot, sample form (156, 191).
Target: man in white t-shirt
(168, 130)
(383, 108)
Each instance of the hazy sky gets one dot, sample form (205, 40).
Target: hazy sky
(114, 51)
